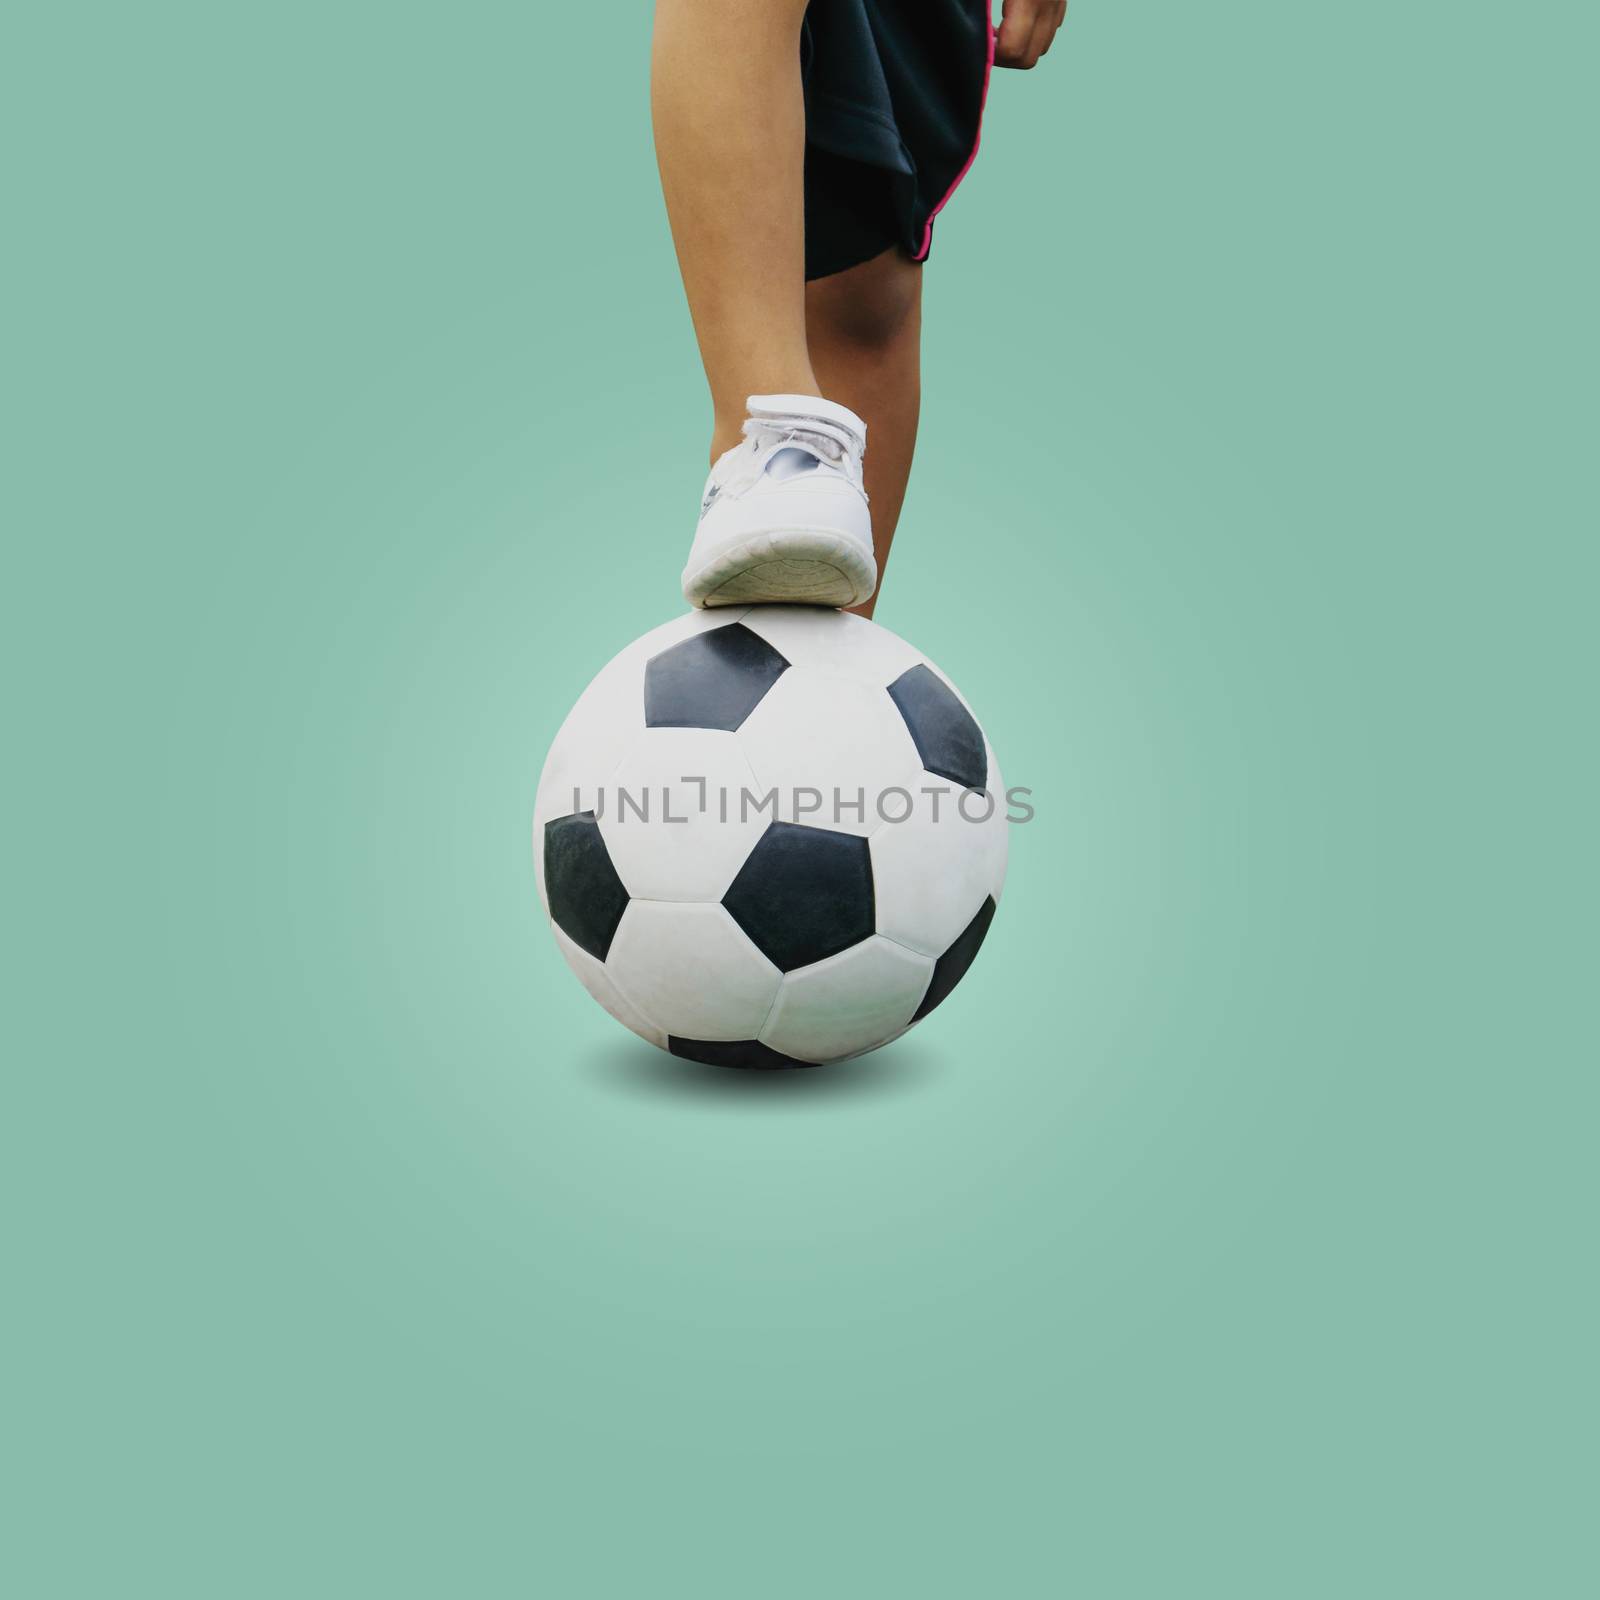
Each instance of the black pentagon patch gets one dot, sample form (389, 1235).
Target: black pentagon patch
(803, 893)
(948, 740)
(952, 966)
(587, 898)
(732, 1053)
(714, 680)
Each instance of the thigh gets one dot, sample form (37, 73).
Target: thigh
(874, 302)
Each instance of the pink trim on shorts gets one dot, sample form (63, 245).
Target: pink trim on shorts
(977, 139)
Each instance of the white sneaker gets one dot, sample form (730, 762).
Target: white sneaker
(785, 518)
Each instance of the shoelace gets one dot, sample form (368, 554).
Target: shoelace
(826, 439)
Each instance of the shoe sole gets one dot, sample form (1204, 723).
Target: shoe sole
(785, 566)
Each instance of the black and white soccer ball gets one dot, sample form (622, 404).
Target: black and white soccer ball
(770, 837)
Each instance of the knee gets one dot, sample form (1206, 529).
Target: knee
(874, 306)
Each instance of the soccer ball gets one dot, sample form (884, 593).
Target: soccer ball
(770, 837)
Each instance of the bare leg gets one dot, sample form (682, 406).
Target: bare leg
(864, 328)
(730, 131)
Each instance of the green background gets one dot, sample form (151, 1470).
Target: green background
(1227, 1233)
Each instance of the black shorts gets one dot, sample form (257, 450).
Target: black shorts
(894, 98)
